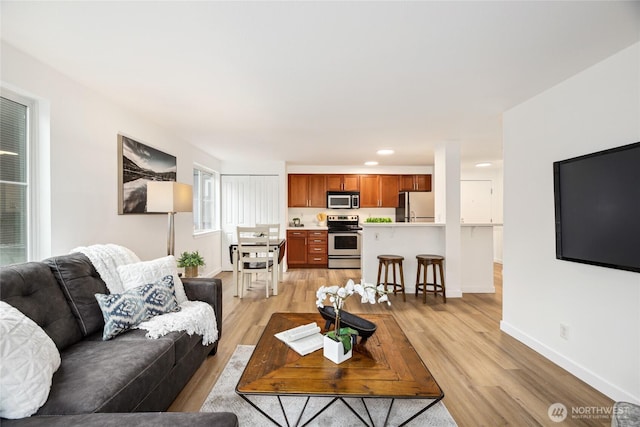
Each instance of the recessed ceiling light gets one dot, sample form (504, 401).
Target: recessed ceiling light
(371, 163)
(385, 152)
(483, 165)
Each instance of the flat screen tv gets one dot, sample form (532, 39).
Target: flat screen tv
(597, 208)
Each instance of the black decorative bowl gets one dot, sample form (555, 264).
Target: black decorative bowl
(364, 327)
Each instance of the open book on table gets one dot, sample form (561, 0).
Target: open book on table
(303, 339)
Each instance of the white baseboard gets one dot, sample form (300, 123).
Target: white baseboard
(479, 290)
(454, 294)
(597, 382)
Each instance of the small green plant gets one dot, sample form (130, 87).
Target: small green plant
(374, 219)
(190, 259)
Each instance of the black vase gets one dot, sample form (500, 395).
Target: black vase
(364, 327)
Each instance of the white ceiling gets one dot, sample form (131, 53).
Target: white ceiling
(323, 83)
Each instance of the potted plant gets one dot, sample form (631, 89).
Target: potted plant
(338, 343)
(190, 261)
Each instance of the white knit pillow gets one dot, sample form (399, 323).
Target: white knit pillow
(141, 273)
(29, 359)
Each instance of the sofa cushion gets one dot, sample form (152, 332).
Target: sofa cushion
(140, 419)
(124, 311)
(182, 342)
(143, 272)
(80, 281)
(108, 376)
(31, 288)
(29, 359)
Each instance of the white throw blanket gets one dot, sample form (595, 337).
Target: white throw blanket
(106, 259)
(195, 317)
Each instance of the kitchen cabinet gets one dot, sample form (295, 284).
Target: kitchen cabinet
(296, 248)
(369, 191)
(307, 248)
(336, 182)
(389, 189)
(379, 191)
(307, 191)
(317, 248)
(415, 182)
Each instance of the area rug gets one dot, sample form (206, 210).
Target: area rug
(224, 398)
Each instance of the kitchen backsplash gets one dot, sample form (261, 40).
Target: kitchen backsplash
(308, 215)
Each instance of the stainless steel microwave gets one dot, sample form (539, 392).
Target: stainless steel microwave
(343, 200)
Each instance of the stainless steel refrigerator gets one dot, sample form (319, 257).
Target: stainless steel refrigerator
(415, 206)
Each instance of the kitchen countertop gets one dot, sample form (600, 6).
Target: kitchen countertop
(308, 227)
(401, 224)
(424, 224)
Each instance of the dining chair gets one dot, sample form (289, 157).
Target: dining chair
(274, 236)
(253, 256)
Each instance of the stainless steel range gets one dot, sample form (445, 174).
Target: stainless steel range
(344, 241)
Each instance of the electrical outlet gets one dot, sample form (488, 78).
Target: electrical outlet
(564, 331)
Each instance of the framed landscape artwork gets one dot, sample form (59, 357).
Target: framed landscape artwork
(138, 164)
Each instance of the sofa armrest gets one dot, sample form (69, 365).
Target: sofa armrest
(208, 290)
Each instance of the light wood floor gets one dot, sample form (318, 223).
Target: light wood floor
(489, 378)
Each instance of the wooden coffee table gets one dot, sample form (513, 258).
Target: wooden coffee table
(384, 366)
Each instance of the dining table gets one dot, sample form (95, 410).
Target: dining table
(277, 247)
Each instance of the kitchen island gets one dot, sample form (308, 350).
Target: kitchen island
(410, 239)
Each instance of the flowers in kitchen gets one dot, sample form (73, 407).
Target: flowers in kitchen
(337, 296)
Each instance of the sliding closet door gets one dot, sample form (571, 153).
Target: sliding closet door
(245, 201)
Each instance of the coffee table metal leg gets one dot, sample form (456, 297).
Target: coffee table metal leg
(301, 412)
(358, 415)
(368, 413)
(262, 412)
(348, 406)
(421, 411)
(319, 412)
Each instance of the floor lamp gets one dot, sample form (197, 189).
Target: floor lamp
(169, 197)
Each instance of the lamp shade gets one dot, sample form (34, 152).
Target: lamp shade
(169, 196)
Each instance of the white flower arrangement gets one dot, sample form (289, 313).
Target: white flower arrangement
(338, 295)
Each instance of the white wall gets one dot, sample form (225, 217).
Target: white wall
(594, 110)
(84, 167)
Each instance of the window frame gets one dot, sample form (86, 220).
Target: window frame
(215, 200)
(32, 238)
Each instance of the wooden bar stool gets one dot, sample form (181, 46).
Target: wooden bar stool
(385, 260)
(424, 261)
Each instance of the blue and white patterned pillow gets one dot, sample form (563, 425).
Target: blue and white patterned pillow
(124, 311)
